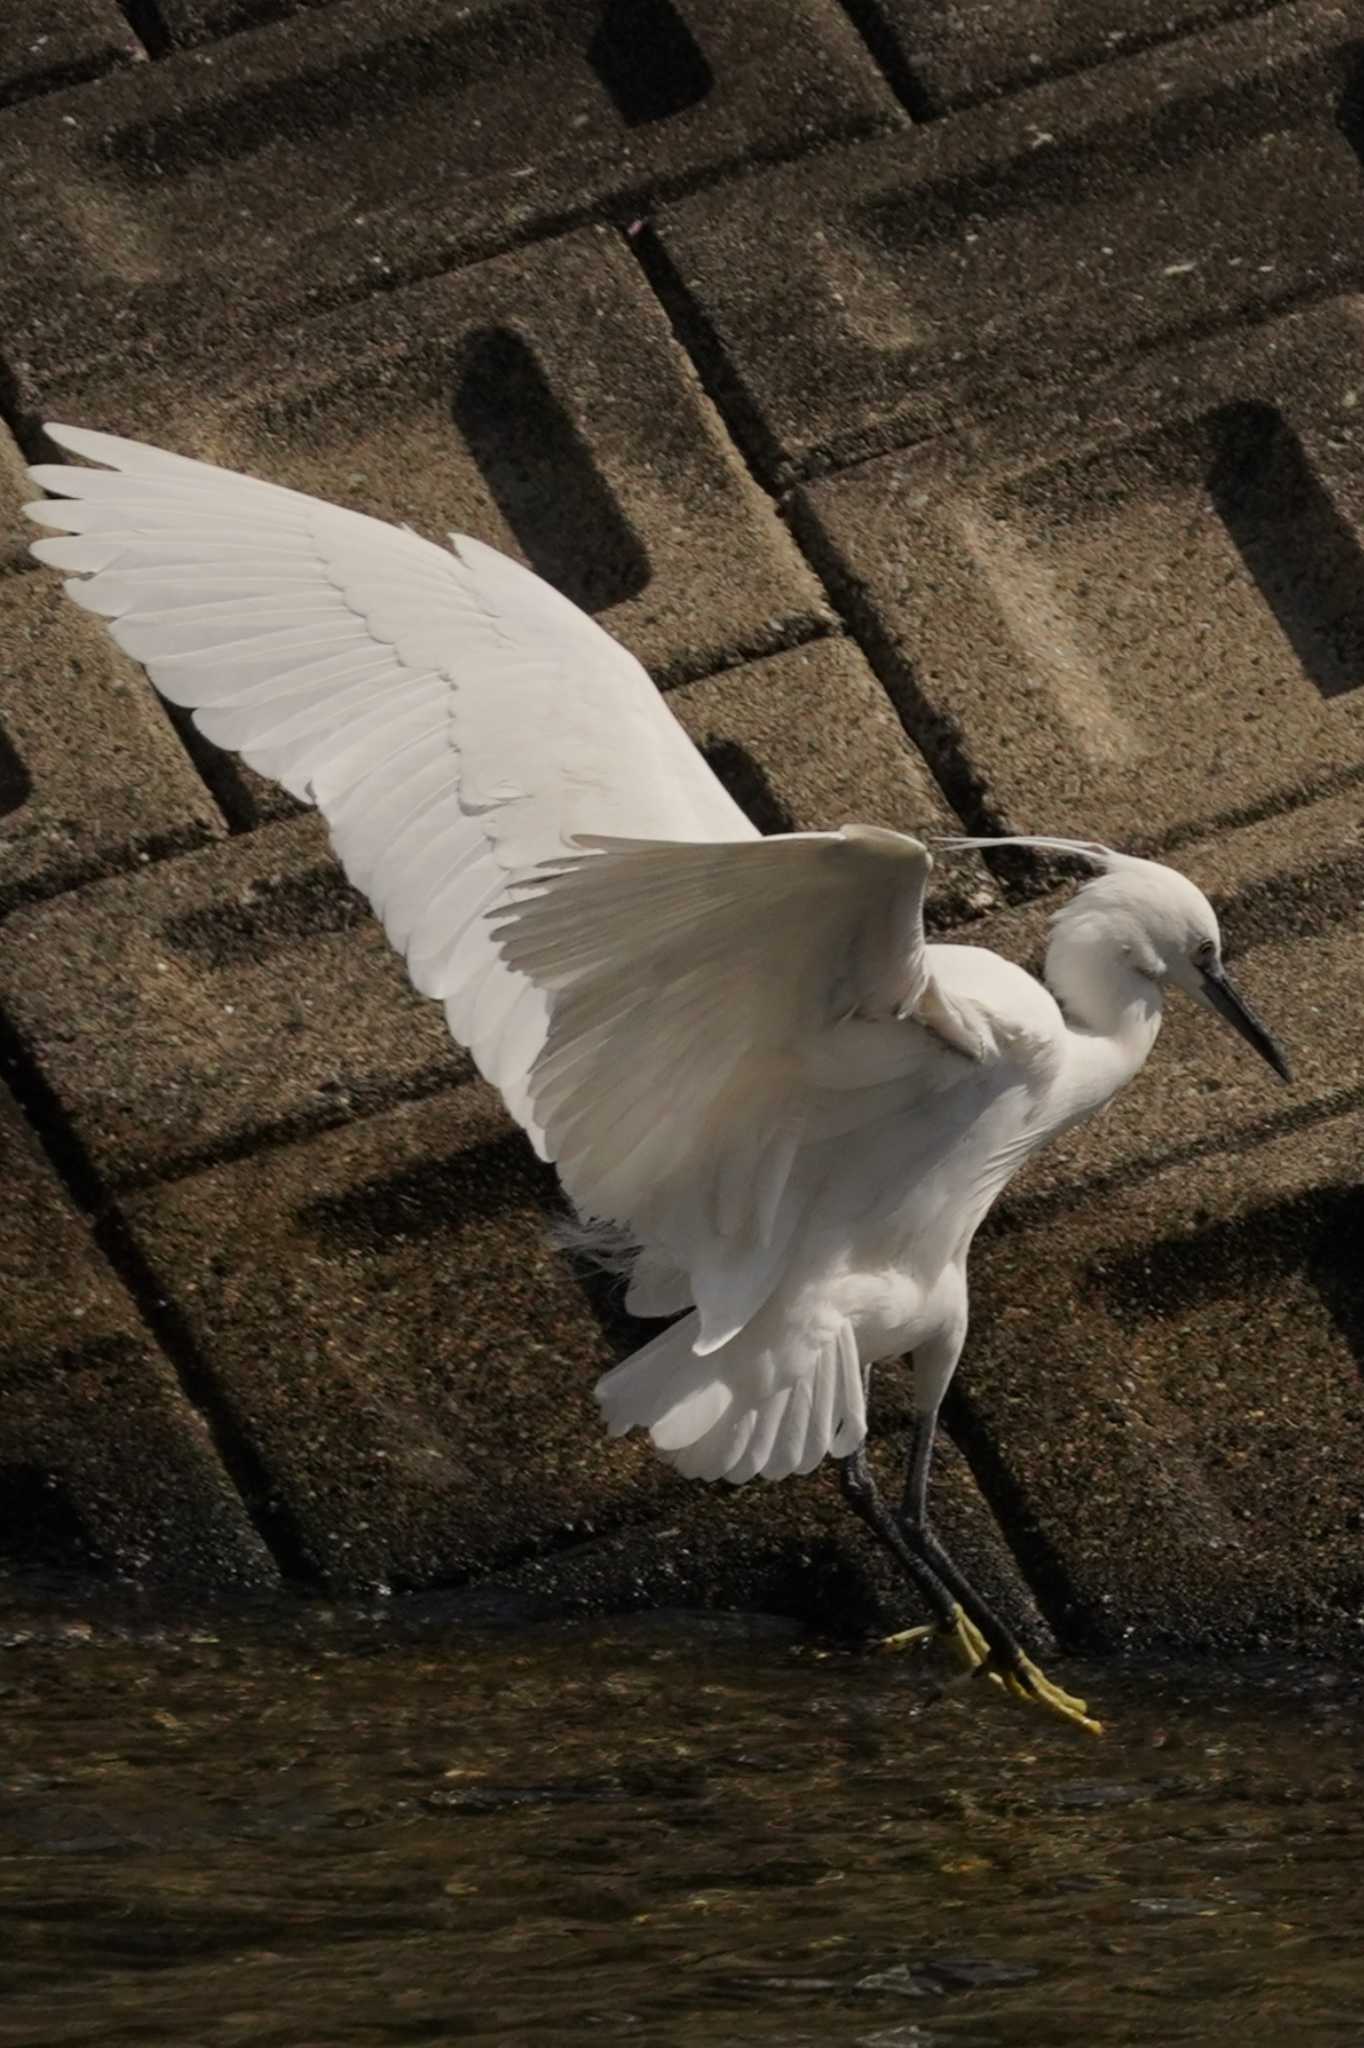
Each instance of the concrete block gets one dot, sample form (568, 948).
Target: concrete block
(1142, 632)
(246, 992)
(228, 190)
(92, 778)
(412, 1361)
(392, 1331)
(871, 296)
(202, 21)
(944, 56)
(15, 492)
(808, 741)
(103, 1461)
(537, 401)
(1177, 1412)
(196, 1006)
(43, 48)
(794, 1549)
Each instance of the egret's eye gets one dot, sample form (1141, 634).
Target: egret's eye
(1205, 955)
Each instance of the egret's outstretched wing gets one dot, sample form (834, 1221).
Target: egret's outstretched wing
(454, 718)
(702, 999)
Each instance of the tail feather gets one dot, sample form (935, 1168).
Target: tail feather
(639, 1392)
(788, 1448)
(750, 1409)
(719, 1449)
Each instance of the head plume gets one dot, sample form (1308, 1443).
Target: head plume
(1081, 849)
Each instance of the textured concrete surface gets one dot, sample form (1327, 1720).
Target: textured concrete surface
(14, 492)
(1178, 1416)
(91, 774)
(244, 995)
(102, 1455)
(956, 407)
(352, 147)
(481, 403)
(1152, 622)
(808, 740)
(44, 47)
(947, 54)
(867, 297)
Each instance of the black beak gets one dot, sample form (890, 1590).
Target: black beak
(1223, 996)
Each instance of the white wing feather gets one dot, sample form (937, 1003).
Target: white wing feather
(454, 718)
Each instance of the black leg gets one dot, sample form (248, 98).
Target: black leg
(996, 1651)
(864, 1498)
(919, 1536)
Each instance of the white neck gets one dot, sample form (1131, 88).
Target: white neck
(1113, 1012)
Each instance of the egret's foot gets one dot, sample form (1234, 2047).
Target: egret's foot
(967, 1644)
(1026, 1682)
(1022, 1679)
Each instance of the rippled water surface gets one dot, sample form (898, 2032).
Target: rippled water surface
(316, 1827)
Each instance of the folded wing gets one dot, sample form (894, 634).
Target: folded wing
(703, 999)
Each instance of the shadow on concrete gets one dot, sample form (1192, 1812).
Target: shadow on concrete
(542, 475)
(1304, 558)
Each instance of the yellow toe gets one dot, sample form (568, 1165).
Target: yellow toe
(971, 1641)
(1024, 1682)
(905, 1638)
(1036, 1687)
(968, 1646)
(963, 1638)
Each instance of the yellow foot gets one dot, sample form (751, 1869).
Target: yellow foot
(1028, 1683)
(967, 1643)
(974, 1654)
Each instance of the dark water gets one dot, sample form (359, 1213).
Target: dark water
(320, 1827)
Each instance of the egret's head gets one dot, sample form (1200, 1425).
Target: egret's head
(1161, 924)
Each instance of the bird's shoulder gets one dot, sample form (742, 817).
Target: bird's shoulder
(1018, 1018)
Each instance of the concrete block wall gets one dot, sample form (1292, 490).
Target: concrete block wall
(957, 409)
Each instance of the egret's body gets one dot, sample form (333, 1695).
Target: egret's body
(752, 1071)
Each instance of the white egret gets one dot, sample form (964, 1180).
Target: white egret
(787, 1110)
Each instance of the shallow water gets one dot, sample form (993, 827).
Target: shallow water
(309, 1826)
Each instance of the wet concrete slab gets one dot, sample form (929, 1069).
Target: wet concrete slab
(780, 1550)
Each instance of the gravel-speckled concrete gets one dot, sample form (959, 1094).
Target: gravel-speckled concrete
(956, 409)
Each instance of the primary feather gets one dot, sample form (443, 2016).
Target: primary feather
(454, 719)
